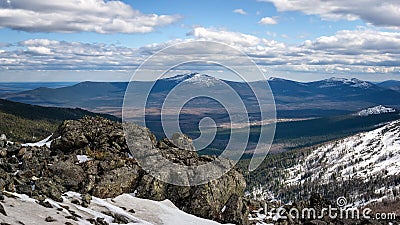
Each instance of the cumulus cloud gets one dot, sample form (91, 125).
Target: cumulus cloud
(98, 16)
(348, 51)
(44, 54)
(240, 11)
(377, 12)
(228, 37)
(358, 42)
(268, 21)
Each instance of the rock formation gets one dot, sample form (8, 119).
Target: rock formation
(91, 156)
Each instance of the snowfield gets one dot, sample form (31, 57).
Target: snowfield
(202, 80)
(131, 210)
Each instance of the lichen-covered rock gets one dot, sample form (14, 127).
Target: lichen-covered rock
(209, 199)
(71, 174)
(50, 188)
(95, 133)
(234, 210)
(117, 181)
(180, 141)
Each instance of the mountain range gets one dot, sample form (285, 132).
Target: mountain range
(332, 96)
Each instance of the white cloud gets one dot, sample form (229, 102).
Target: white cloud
(348, 51)
(359, 42)
(268, 21)
(44, 54)
(377, 12)
(228, 37)
(98, 16)
(240, 11)
(40, 50)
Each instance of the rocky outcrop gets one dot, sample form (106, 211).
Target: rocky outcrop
(91, 156)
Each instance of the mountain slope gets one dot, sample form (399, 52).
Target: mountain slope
(364, 167)
(26, 123)
(390, 84)
(364, 155)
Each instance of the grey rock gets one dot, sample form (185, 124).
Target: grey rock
(72, 175)
(234, 210)
(86, 198)
(116, 182)
(3, 137)
(182, 141)
(2, 211)
(50, 219)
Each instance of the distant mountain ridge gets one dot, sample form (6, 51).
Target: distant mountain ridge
(305, 99)
(390, 84)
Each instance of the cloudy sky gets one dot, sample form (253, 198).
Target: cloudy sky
(75, 40)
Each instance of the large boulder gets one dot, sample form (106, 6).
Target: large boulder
(117, 181)
(96, 133)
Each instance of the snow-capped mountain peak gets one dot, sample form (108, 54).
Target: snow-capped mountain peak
(353, 82)
(195, 78)
(380, 109)
(275, 79)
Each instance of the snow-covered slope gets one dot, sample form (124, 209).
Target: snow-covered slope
(364, 155)
(195, 78)
(380, 109)
(124, 208)
(334, 81)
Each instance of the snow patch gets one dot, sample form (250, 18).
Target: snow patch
(44, 142)
(380, 109)
(83, 158)
(334, 81)
(195, 78)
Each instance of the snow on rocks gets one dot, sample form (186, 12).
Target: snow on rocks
(380, 109)
(124, 208)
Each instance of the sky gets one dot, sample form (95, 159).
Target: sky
(77, 40)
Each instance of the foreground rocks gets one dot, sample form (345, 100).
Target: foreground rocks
(90, 156)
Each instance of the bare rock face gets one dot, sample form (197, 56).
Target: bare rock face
(91, 156)
(116, 182)
(182, 141)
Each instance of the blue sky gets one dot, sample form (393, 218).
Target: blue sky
(77, 40)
